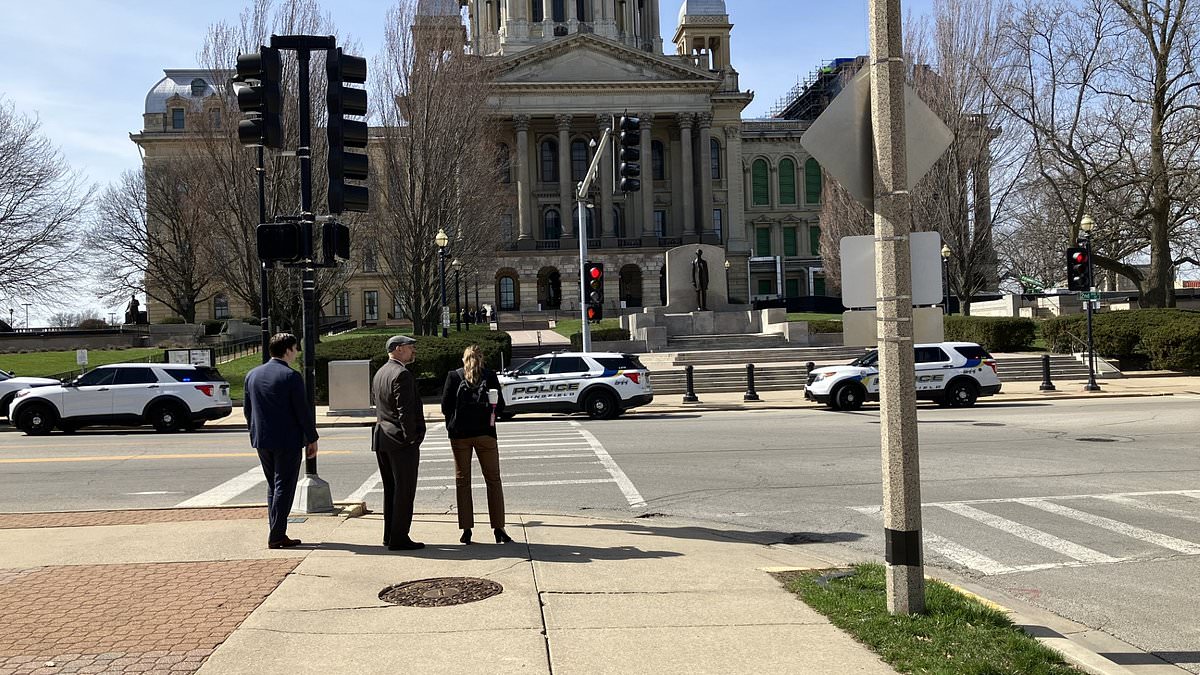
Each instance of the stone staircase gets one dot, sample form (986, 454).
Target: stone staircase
(720, 343)
(760, 356)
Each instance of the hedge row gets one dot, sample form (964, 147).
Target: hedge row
(1161, 339)
(995, 334)
(435, 357)
(824, 326)
(601, 335)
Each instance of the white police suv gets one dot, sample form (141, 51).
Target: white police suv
(602, 384)
(10, 384)
(168, 396)
(950, 373)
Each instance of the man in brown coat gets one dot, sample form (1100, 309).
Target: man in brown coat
(396, 440)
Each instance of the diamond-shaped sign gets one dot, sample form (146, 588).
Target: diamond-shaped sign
(841, 140)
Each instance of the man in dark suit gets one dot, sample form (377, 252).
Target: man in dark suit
(396, 440)
(281, 423)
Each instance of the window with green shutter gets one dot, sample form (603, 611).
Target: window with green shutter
(763, 241)
(818, 286)
(766, 287)
(814, 239)
(812, 181)
(760, 183)
(792, 286)
(787, 182)
(789, 241)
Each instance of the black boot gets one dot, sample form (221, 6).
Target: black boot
(466, 536)
(502, 536)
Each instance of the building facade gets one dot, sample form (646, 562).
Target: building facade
(565, 70)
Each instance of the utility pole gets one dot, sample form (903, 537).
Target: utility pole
(893, 279)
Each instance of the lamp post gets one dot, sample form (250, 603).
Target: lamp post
(441, 240)
(1085, 225)
(457, 307)
(946, 275)
(10, 316)
(27, 304)
(727, 266)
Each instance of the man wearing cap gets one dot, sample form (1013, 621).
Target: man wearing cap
(396, 440)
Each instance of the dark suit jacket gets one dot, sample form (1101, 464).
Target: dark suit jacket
(276, 408)
(400, 421)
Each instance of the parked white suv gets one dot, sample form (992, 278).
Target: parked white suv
(168, 396)
(951, 373)
(10, 384)
(602, 384)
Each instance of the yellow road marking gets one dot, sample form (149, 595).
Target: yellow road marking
(120, 458)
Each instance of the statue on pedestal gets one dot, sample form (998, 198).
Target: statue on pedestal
(131, 310)
(700, 280)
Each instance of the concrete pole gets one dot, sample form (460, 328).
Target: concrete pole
(893, 279)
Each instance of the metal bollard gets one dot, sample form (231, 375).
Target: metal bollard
(808, 368)
(689, 396)
(1047, 385)
(751, 395)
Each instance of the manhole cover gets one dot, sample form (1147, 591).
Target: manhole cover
(440, 592)
(1096, 439)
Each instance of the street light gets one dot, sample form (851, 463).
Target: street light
(1086, 224)
(441, 240)
(727, 266)
(457, 307)
(946, 252)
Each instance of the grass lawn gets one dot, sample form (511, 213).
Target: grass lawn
(813, 316)
(958, 634)
(568, 327)
(49, 363)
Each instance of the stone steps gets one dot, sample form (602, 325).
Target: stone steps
(777, 355)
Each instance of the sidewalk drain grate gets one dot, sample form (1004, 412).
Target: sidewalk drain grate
(1095, 439)
(440, 591)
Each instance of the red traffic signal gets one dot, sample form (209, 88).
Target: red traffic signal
(1078, 269)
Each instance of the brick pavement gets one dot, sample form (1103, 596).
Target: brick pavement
(11, 521)
(127, 618)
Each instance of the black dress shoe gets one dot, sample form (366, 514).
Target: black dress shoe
(407, 545)
(284, 543)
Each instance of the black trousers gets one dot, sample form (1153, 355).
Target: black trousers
(282, 469)
(398, 469)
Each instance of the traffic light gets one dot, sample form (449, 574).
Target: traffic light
(280, 242)
(346, 133)
(257, 88)
(1077, 269)
(629, 143)
(335, 241)
(593, 275)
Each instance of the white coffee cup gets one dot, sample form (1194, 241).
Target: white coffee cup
(493, 396)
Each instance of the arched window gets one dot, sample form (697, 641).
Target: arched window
(551, 225)
(579, 160)
(559, 11)
(549, 161)
(536, 13)
(504, 163)
(787, 182)
(508, 293)
(199, 86)
(589, 221)
(812, 181)
(221, 306)
(715, 149)
(760, 185)
(658, 162)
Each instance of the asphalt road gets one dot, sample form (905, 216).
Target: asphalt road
(1090, 509)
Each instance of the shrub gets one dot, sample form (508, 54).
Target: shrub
(171, 320)
(214, 326)
(92, 324)
(1175, 346)
(435, 357)
(997, 334)
(601, 335)
(824, 326)
(1139, 337)
(1057, 333)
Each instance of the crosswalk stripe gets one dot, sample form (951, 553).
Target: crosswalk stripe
(948, 549)
(1132, 531)
(530, 483)
(505, 475)
(226, 491)
(442, 460)
(631, 493)
(1150, 506)
(368, 486)
(1043, 539)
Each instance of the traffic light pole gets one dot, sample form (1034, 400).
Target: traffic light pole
(581, 200)
(1091, 383)
(264, 295)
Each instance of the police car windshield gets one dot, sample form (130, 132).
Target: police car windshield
(535, 367)
(866, 360)
(4, 376)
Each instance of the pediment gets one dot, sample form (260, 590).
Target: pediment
(589, 59)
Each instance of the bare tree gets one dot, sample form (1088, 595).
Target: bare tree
(435, 164)
(150, 236)
(42, 204)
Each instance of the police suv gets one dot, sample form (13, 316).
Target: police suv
(601, 384)
(950, 373)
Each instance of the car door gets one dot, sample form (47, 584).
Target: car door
(90, 395)
(526, 383)
(568, 376)
(133, 389)
(932, 366)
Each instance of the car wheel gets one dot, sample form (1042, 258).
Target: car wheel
(167, 417)
(848, 397)
(601, 405)
(962, 394)
(36, 419)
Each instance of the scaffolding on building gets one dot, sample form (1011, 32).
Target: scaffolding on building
(810, 96)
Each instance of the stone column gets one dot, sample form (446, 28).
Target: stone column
(735, 217)
(524, 179)
(630, 13)
(647, 178)
(608, 226)
(687, 170)
(704, 222)
(564, 174)
(547, 19)
(572, 20)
